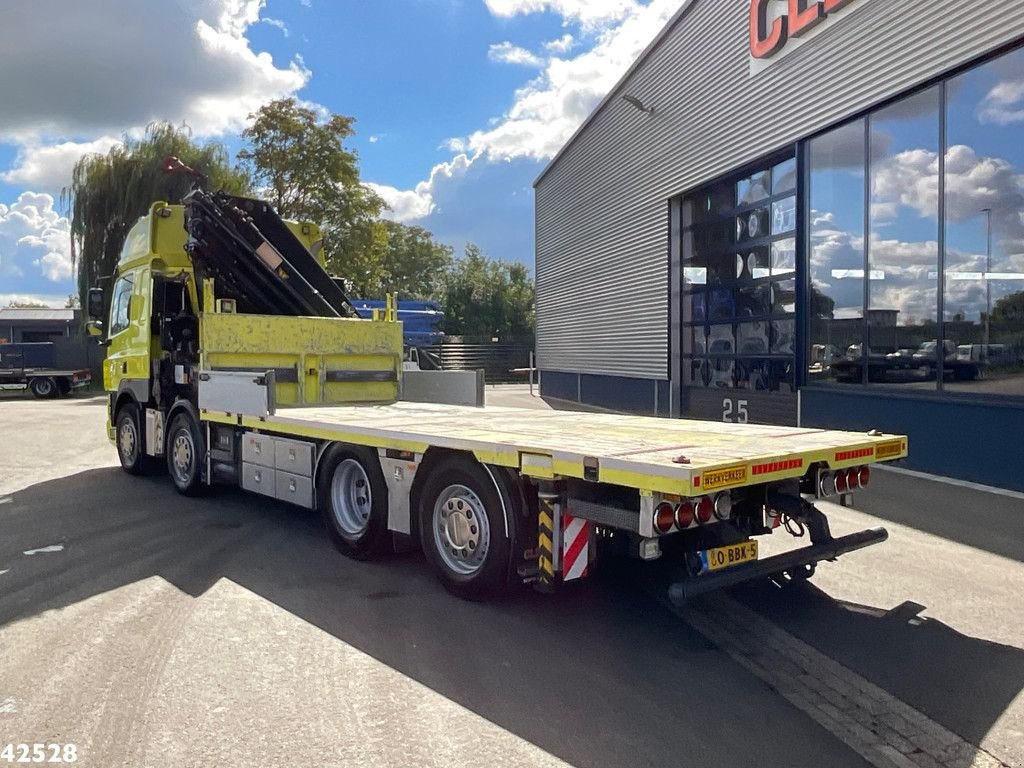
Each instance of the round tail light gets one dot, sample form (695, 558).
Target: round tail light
(863, 476)
(853, 478)
(723, 505)
(664, 517)
(841, 480)
(705, 509)
(684, 514)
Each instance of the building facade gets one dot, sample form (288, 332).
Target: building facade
(806, 212)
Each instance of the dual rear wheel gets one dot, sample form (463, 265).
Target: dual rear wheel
(462, 515)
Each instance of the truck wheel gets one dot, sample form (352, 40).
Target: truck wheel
(43, 387)
(462, 529)
(353, 500)
(185, 452)
(129, 440)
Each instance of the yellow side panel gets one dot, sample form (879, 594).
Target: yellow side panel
(318, 360)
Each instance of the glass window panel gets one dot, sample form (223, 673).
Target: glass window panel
(784, 216)
(836, 263)
(753, 188)
(698, 341)
(752, 337)
(784, 297)
(721, 340)
(783, 337)
(984, 218)
(752, 225)
(721, 304)
(695, 307)
(784, 257)
(756, 263)
(784, 177)
(720, 373)
(753, 373)
(754, 301)
(903, 250)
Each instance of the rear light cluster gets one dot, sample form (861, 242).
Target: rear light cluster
(687, 513)
(842, 481)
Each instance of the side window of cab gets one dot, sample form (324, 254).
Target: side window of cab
(119, 303)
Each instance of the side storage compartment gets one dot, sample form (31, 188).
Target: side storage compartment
(278, 467)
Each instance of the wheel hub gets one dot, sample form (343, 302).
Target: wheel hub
(461, 529)
(351, 499)
(182, 455)
(127, 441)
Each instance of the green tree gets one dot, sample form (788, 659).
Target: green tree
(486, 297)
(108, 193)
(301, 165)
(414, 264)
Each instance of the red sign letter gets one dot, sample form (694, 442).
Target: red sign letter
(803, 16)
(763, 43)
(834, 5)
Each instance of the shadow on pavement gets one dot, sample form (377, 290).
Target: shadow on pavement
(599, 675)
(978, 519)
(962, 682)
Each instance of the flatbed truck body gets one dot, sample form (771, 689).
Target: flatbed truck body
(307, 409)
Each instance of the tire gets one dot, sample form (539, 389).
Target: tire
(43, 387)
(185, 451)
(353, 499)
(462, 529)
(130, 440)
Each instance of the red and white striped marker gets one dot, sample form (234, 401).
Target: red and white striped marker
(575, 547)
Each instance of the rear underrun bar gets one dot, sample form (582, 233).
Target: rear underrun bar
(682, 591)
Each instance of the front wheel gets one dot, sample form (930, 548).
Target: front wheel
(463, 529)
(128, 431)
(185, 451)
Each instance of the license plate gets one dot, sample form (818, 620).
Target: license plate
(726, 557)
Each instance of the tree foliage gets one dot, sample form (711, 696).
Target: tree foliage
(487, 297)
(301, 165)
(108, 193)
(414, 264)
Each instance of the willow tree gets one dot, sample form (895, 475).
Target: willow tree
(108, 193)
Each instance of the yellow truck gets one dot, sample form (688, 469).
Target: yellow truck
(232, 357)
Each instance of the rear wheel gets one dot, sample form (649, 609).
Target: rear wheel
(43, 387)
(462, 529)
(353, 499)
(185, 453)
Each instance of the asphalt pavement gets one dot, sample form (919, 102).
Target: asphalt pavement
(151, 629)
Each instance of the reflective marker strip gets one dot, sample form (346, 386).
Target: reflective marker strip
(860, 453)
(575, 547)
(776, 466)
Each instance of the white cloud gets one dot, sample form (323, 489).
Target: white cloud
(548, 110)
(86, 75)
(507, 53)
(278, 24)
(418, 203)
(34, 240)
(585, 12)
(564, 44)
(1004, 104)
(48, 167)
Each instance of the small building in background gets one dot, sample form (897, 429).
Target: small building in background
(37, 324)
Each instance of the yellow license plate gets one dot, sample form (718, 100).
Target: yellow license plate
(726, 557)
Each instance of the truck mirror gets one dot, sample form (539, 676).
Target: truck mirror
(94, 328)
(95, 303)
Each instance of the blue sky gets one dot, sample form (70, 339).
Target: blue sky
(459, 103)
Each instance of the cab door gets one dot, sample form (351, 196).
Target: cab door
(127, 363)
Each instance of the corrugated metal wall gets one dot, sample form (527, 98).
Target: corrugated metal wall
(602, 207)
